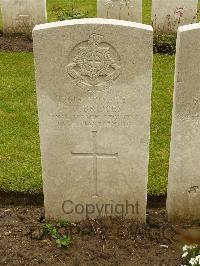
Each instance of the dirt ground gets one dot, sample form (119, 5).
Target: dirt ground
(15, 44)
(106, 241)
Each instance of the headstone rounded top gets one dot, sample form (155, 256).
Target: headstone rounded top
(189, 27)
(87, 21)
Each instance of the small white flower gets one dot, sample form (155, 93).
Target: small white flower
(198, 259)
(108, 2)
(186, 248)
(185, 254)
(193, 261)
(124, 2)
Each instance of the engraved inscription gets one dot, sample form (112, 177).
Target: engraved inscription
(23, 20)
(101, 120)
(95, 155)
(97, 111)
(94, 63)
(191, 109)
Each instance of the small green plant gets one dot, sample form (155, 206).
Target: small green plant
(164, 43)
(62, 240)
(51, 230)
(191, 255)
(63, 224)
(71, 13)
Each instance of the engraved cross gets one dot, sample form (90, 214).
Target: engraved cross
(95, 155)
(94, 60)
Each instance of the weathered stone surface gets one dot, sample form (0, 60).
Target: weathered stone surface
(120, 9)
(20, 16)
(168, 15)
(94, 99)
(184, 173)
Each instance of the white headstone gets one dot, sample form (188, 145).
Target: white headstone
(20, 16)
(94, 99)
(120, 9)
(168, 15)
(183, 202)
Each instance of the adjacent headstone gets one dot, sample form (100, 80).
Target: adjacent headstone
(20, 16)
(120, 9)
(183, 203)
(168, 15)
(94, 99)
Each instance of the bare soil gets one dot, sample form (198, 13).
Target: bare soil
(16, 43)
(106, 241)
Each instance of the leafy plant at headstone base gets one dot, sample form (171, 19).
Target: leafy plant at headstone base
(62, 240)
(164, 43)
(71, 13)
(191, 255)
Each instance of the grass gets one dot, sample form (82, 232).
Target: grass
(163, 79)
(146, 11)
(82, 6)
(20, 168)
(19, 142)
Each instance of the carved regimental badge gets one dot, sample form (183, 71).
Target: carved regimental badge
(94, 64)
